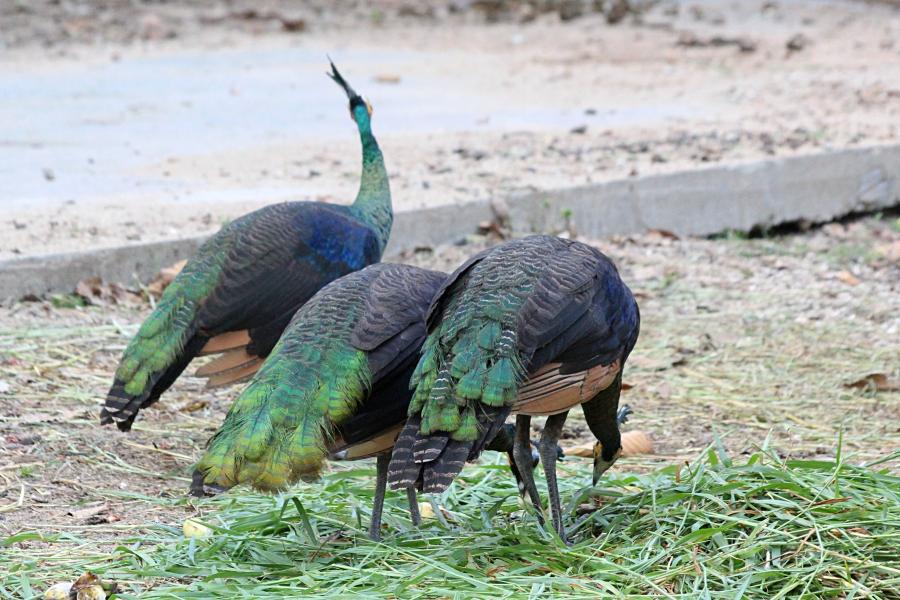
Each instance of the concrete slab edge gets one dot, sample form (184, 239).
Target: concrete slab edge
(704, 201)
(817, 188)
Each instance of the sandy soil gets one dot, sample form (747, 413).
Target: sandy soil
(792, 338)
(468, 109)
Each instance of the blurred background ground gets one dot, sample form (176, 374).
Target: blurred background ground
(125, 122)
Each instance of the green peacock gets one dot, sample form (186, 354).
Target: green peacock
(335, 385)
(240, 290)
(531, 327)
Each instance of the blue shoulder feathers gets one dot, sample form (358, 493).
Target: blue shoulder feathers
(339, 241)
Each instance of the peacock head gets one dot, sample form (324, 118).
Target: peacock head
(604, 458)
(360, 109)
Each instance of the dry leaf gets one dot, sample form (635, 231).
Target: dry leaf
(830, 501)
(58, 591)
(426, 511)
(634, 443)
(486, 227)
(663, 233)
(88, 511)
(835, 230)
(880, 382)
(195, 529)
(88, 288)
(89, 587)
(585, 450)
(494, 570)
(585, 509)
(890, 251)
(193, 406)
(102, 519)
(164, 278)
(95, 291)
(848, 278)
(387, 78)
(59, 416)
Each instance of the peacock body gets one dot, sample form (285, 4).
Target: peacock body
(552, 310)
(347, 352)
(244, 284)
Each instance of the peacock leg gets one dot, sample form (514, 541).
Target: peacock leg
(381, 466)
(547, 449)
(413, 506)
(523, 462)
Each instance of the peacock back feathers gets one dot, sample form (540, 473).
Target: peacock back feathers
(334, 351)
(480, 348)
(500, 316)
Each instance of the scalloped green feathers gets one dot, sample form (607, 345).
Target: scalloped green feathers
(162, 336)
(470, 357)
(278, 429)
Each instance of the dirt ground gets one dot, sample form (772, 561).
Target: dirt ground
(471, 102)
(789, 341)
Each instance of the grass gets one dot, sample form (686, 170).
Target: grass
(756, 338)
(761, 527)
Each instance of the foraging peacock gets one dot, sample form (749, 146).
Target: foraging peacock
(552, 309)
(237, 294)
(337, 383)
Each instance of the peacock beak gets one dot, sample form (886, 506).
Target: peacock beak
(369, 108)
(602, 465)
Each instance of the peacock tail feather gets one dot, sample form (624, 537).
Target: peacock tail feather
(326, 363)
(161, 340)
(163, 334)
(277, 431)
(279, 428)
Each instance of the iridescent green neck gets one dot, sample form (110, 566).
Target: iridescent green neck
(373, 201)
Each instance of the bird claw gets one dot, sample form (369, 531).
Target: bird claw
(201, 489)
(623, 414)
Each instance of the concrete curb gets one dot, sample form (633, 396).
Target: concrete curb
(816, 188)
(52, 273)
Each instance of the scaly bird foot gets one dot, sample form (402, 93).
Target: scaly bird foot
(623, 414)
